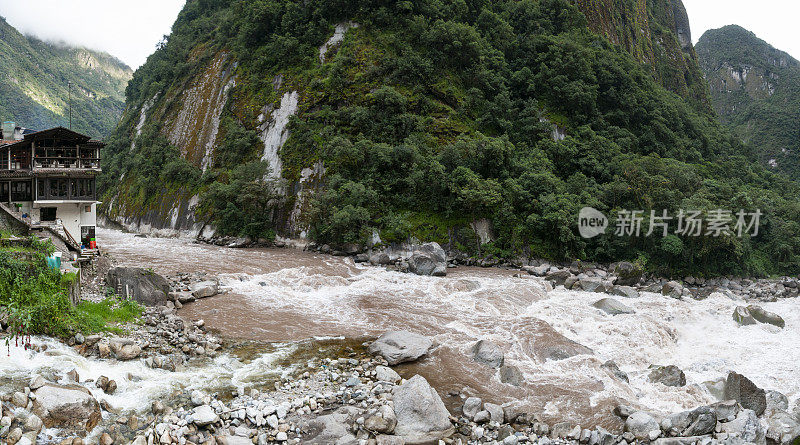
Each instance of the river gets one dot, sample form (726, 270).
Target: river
(287, 297)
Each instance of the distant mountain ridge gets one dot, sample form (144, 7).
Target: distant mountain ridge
(755, 89)
(34, 79)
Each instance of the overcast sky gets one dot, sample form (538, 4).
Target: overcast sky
(130, 29)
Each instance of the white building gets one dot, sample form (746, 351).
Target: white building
(47, 179)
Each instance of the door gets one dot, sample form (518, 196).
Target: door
(47, 214)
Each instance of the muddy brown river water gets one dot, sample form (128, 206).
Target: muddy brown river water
(286, 295)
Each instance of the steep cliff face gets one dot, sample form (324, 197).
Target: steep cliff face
(657, 33)
(755, 89)
(34, 77)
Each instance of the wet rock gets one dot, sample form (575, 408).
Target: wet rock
(487, 353)
(71, 407)
(612, 307)
(142, 285)
(400, 346)
(746, 426)
(105, 439)
(511, 374)
(764, 316)
(672, 289)
(625, 291)
(640, 424)
(73, 376)
(204, 289)
(14, 436)
(611, 366)
(776, 401)
(19, 399)
(380, 259)
(33, 423)
(421, 414)
(537, 271)
(331, 428)
(386, 374)
(428, 259)
(669, 375)
(744, 391)
(549, 344)
(471, 407)
(742, 316)
(558, 277)
(698, 422)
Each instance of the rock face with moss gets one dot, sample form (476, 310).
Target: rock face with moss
(483, 126)
(755, 89)
(657, 33)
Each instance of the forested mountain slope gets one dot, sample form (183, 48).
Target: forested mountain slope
(755, 89)
(34, 78)
(482, 125)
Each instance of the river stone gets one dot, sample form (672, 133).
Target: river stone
(496, 413)
(428, 259)
(625, 291)
(421, 414)
(640, 424)
(400, 346)
(142, 285)
(782, 428)
(611, 366)
(487, 353)
(511, 374)
(628, 274)
(386, 374)
(331, 428)
(742, 316)
(382, 422)
(746, 426)
(380, 259)
(549, 344)
(71, 407)
(727, 410)
(19, 399)
(700, 421)
(744, 391)
(33, 423)
(591, 285)
(204, 289)
(613, 307)
(776, 401)
(37, 382)
(672, 289)
(471, 407)
(558, 277)
(669, 375)
(764, 316)
(125, 349)
(204, 415)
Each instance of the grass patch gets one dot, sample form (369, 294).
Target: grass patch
(103, 315)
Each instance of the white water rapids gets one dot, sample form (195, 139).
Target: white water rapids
(283, 295)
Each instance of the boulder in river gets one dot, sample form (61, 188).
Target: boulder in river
(746, 426)
(71, 407)
(640, 424)
(421, 414)
(512, 375)
(558, 277)
(545, 343)
(744, 391)
(698, 422)
(205, 289)
(742, 316)
(428, 259)
(400, 346)
(783, 428)
(669, 375)
(625, 291)
(764, 316)
(125, 349)
(672, 289)
(487, 353)
(142, 285)
(612, 307)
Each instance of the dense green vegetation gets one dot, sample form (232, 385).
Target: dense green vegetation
(763, 106)
(435, 113)
(34, 80)
(34, 298)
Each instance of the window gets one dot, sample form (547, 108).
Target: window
(21, 191)
(47, 214)
(41, 190)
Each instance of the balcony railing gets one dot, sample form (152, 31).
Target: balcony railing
(66, 162)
